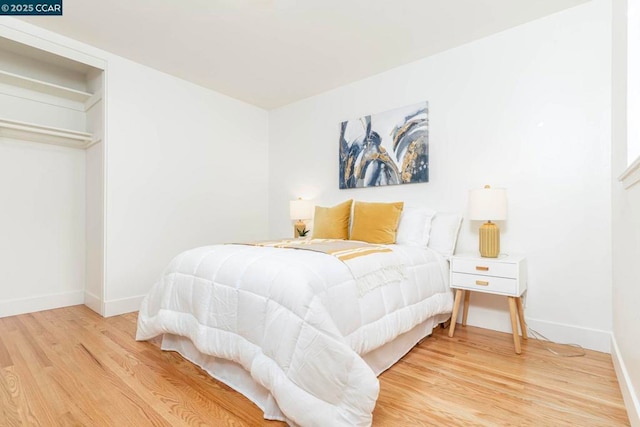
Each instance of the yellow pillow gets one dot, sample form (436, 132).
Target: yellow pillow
(332, 223)
(376, 222)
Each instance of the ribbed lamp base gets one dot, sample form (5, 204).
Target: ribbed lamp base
(299, 225)
(489, 240)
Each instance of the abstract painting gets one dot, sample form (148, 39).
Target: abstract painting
(385, 149)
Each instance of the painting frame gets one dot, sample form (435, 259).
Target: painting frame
(388, 148)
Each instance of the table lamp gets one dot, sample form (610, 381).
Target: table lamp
(300, 210)
(488, 204)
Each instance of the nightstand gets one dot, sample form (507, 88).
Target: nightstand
(505, 275)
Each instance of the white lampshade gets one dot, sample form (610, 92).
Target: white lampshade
(488, 204)
(300, 209)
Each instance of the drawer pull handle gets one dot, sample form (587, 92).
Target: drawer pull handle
(481, 268)
(482, 283)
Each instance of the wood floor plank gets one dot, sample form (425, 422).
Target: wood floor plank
(195, 383)
(5, 357)
(34, 344)
(183, 374)
(111, 394)
(32, 409)
(519, 389)
(71, 367)
(95, 402)
(9, 405)
(166, 391)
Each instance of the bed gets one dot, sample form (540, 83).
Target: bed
(301, 333)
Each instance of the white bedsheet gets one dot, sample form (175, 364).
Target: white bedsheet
(295, 321)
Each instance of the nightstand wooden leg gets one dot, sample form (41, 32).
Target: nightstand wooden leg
(454, 315)
(523, 325)
(465, 309)
(514, 324)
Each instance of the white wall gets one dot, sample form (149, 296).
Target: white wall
(41, 226)
(94, 227)
(526, 109)
(185, 166)
(625, 217)
(626, 289)
(633, 85)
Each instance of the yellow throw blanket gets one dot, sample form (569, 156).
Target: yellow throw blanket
(372, 265)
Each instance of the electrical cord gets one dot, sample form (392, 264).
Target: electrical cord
(537, 335)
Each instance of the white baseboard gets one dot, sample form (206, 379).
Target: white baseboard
(66, 299)
(121, 306)
(94, 302)
(626, 386)
(592, 339)
(43, 302)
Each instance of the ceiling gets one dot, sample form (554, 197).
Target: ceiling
(270, 53)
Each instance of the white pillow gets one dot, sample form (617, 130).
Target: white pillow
(414, 227)
(444, 232)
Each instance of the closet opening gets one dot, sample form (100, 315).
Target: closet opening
(52, 150)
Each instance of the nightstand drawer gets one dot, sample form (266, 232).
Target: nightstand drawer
(489, 284)
(485, 268)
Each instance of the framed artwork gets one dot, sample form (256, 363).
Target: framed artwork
(385, 149)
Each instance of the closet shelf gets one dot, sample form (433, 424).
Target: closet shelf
(43, 87)
(45, 134)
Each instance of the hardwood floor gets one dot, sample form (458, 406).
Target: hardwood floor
(71, 367)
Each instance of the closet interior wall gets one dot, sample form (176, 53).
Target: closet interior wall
(51, 179)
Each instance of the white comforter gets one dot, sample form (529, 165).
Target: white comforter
(295, 321)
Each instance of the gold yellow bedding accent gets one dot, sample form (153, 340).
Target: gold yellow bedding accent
(371, 265)
(341, 249)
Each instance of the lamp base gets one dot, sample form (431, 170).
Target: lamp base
(489, 240)
(297, 228)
